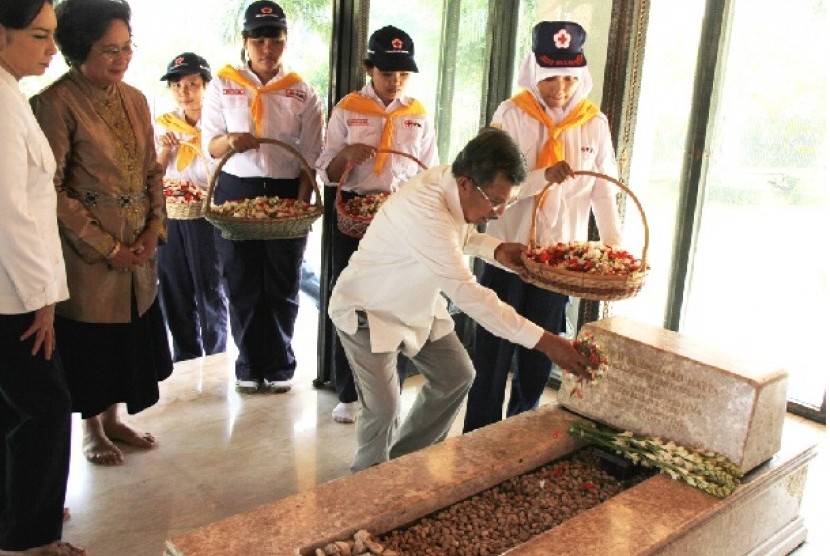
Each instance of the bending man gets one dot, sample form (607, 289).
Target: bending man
(388, 299)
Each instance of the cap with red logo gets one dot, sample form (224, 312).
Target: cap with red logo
(187, 63)
(264, 13)
(391, 49)
(558, 44)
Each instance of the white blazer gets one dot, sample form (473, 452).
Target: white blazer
(32, 272)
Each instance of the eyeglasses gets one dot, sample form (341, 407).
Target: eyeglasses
(113, 52)
(511, 200)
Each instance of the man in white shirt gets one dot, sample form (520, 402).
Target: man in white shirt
(389, 299)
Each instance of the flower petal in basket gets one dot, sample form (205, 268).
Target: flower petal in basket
(355, 224)
(602, 286)
(245, 227)
(183, 199)
(599, 287)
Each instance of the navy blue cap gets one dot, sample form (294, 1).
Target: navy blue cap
(264, 13)
(187, 63)
(558, 44)
(391, 49)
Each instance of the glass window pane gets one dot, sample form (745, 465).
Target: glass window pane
(527, 19)
(469, 76)
(760, 273)
(659, 147)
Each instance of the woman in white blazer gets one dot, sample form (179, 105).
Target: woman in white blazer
(35, 407)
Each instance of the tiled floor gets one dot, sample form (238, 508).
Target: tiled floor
(221, 453)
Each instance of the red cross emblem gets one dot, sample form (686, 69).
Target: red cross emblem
(562, 39)
(179, 61)
(397, 44)
(266, 10)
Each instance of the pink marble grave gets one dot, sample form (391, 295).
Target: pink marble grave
(693, 394)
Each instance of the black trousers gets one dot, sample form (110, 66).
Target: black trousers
(35, 414)
(493, 356)
(342, 248)
(190, 290)
(262, 281)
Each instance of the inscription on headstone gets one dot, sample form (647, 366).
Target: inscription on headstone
(661, 383)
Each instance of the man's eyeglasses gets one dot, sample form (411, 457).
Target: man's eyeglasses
(511, 200)
(113, 52)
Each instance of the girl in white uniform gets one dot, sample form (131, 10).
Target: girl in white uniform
(379, 116)
(260, 99)
(557, 129)
(190, 283)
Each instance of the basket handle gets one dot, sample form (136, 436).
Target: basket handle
(345, 175)
(214, 177)
(540, 198)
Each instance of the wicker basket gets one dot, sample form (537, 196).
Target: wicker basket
(238, 229)
(184, 211)
(354, 225)
(181, 210)
(596, 287)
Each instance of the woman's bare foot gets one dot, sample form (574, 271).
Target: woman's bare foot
(57, 548)
(119, 432)
(101, 451)
(97, 447)
(116, 430)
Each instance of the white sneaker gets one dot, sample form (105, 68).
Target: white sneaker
(345, 412)
(276, 386)
(247, 386)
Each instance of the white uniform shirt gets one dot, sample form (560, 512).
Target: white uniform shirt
(196, 171)
(414, 250)
(32, 271)
(293, 115)
(564, 216)
(414, 135)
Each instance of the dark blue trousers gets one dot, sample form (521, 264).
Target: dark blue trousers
(342, 247)
(190, 290)
(262, 281)
(493, 356)
(35, 416)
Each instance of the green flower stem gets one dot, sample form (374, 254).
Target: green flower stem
(707, 471)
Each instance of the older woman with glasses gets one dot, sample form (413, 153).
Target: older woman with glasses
(111, 214)
(558, 129)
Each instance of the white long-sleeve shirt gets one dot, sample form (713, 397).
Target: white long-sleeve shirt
(198, 170)
(564, 216)
(414, 250)
(32, 271)
(293, 115)
(413, 135)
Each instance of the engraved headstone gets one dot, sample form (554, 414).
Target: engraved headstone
(662, 383)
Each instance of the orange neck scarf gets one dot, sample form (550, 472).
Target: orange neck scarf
(257, 111)
(185, 156)
(355, 102)
(553, 151)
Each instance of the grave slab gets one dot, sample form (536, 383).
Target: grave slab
(657, 516)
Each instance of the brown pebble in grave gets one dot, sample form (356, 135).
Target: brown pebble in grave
(502, 517)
